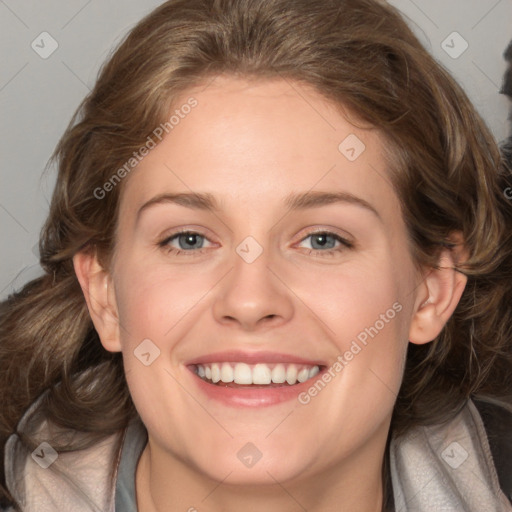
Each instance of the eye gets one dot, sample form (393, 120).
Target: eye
(189, 243)
(323, 243)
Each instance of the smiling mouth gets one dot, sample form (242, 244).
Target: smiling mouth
(242, 375)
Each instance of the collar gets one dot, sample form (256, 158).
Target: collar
(446, 467)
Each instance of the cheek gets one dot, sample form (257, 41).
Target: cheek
(364, 323)
(152, 300)
(351, 298)
(364, 315)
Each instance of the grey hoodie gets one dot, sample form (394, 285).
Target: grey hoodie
(442, 468)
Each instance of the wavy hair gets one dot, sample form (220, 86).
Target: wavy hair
(359, 54)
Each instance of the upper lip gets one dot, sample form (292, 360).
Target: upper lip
(237, 356)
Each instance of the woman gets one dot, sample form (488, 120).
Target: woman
(277, 277)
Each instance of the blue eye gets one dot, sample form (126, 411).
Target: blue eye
(323, 243)
(188, 242)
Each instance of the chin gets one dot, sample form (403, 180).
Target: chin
(249, 466)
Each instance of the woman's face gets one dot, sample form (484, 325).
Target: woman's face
(297, 263)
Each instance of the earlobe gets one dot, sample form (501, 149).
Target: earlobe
(99, 294)
(439, 295)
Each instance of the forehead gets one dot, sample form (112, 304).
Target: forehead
(254, 142)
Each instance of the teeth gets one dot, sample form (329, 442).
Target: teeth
(303, 375)
(313, 371)
(215, 372)
(242, 374)
(291, 374)
(279, 373)
(261, 374)
(226, 373)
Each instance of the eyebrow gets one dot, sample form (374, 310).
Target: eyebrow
(314, 199)
(293, 202)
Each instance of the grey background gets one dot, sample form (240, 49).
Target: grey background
(38, 96)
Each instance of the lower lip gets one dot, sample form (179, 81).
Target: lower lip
(253, 397)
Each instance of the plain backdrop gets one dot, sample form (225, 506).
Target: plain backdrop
(40, 91)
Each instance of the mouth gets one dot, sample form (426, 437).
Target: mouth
(245, 380)
(260, 375)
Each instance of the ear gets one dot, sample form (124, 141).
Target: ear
(439, 294)
(99, 294)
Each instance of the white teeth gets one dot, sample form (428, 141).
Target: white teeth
(279, 374)
(303, 375)
(226, 373)
(242, 374)
(260, 374)
(291, 374)
(215, 372)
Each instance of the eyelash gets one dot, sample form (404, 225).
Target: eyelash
(345, 244)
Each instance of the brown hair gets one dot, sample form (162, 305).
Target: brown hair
(357, 53)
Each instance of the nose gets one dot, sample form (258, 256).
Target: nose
(253, 296)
